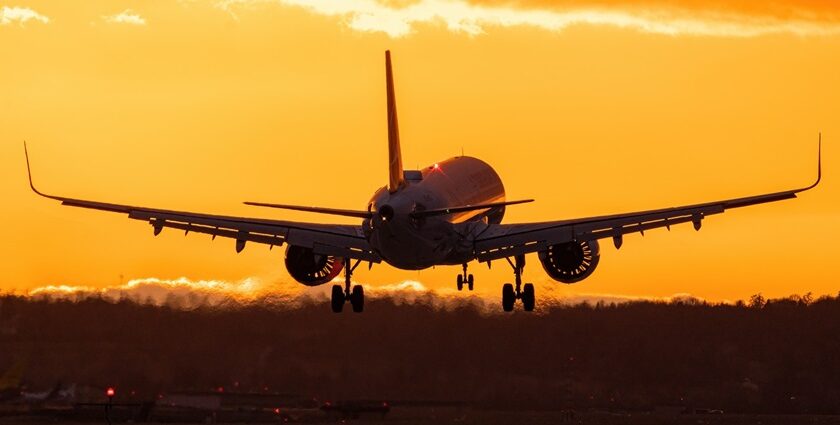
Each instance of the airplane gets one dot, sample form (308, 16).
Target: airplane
(449, 213)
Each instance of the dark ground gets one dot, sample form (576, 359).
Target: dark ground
(543, 418)
(776, 357)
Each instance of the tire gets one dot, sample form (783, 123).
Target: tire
(337, 299)
(508, 297)
(357, 299)
(470, 282)
(528, 297)
(460, 282)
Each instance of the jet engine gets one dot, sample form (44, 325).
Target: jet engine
(571, 262)
(309, 268)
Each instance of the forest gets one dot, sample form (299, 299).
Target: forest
(756, 356)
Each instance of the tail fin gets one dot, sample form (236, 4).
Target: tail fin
(395, 169)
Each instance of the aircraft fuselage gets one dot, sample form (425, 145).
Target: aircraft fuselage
(413, 243)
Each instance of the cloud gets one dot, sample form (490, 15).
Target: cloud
(20, 15)
(188, 294)
(782, 9)
(474, 17)
(182, 291)
(127, 16)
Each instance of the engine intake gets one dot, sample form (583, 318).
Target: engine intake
(309, 268)
(571, 262)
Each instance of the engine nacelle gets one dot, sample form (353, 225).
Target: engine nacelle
(571, 262)
(311, 269)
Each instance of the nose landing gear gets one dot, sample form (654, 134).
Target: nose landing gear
(340, 295)
(465, 278)
(521, 292)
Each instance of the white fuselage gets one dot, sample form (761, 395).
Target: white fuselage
(410, 243)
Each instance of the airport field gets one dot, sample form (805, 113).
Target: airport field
(537, 418)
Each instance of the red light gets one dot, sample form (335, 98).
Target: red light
(220, 389)
(277, 410)
(384, 404)
(110, 392)
(436, 166)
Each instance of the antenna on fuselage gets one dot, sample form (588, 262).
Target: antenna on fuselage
(395, 169)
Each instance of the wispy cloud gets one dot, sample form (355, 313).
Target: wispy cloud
(187, 293)
(398, 19)
(20, 15)
(127, 16)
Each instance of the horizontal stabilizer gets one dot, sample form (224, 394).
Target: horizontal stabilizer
(319, 210)
(453, 210)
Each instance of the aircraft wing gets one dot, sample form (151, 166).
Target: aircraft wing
(327, 239)
(507, 240)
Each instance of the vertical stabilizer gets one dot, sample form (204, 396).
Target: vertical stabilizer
(395, 168)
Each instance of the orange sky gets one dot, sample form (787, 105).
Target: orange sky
(590, 108)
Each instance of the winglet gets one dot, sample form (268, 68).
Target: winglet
(395, 168)
(29, 172)
(819, 166)
(29, 169)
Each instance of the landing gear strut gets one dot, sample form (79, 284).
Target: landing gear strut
(521, 292)
(340, 295)
(465, 278)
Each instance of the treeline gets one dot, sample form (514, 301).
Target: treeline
(772, 356)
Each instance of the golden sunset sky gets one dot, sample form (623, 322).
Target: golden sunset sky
(589, 106)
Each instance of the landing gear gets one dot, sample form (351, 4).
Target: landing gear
(337, 299)
(465, 279)
(524, 293)
(357, 299)
(508, 297)
(528, 297)
(341, 295)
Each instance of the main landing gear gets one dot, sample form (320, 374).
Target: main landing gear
(340, 295)
(465, 278)
(524, 293)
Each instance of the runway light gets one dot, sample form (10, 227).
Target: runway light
(277, 410)
(110, 392)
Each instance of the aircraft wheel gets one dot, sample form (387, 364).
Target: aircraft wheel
(508, 297)
(528, 297)
(357, 299)
(337, 299)
(460, 282)
(470, 282)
